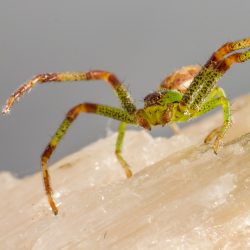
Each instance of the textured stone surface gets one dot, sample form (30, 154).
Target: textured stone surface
(181, 196)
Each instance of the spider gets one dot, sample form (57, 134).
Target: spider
(183, 95)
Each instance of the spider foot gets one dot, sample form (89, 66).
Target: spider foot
(218, 144)
(124, 165)
(213, 134)
(53, 205)
(128, 172)
(217, 135)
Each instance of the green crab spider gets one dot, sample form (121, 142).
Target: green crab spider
(183, 95)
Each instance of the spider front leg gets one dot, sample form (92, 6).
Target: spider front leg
(203, 95)
(212, 71)
(103, 110)
(210, 77)
(226, 48)
(110, 78)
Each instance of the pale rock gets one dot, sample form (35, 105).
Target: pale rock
(182, 195)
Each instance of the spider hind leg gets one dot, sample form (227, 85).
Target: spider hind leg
(118, 149)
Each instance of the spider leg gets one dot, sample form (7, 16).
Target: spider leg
(103, 110)
(110, 78)
(206, 80)
(218, 98)
(226, 48)
(199, 89)
(226, 63)
(118, 149)
(175, 128)
(212, 134)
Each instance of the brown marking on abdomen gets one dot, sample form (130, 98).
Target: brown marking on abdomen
(181, 78)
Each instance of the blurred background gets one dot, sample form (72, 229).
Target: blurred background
(140, 41)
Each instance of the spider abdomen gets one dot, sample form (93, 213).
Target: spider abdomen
(181, 78)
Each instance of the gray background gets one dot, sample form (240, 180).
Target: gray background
(141, 41)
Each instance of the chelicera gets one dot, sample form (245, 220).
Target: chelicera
(183, 95)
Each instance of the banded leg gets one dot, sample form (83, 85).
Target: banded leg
(118, 149)
(110, 78)
(226, 48)
(205, 81)
(212, 103)
(213, 75)
(211, 72)
(104, 110)
(215, 132)
(225, 64)
(199, 89)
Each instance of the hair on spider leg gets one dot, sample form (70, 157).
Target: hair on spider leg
(127, 85)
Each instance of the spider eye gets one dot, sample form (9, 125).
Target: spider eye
(152, 99)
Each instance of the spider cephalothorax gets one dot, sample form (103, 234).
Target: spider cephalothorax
(183, 95)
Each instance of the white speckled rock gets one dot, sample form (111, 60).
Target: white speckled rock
(181, 196)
